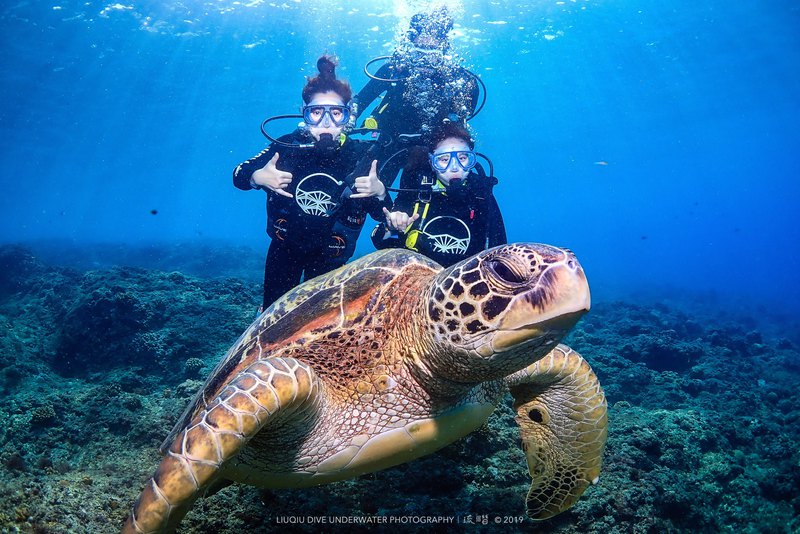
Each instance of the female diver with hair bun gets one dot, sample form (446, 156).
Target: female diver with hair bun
(319, 184)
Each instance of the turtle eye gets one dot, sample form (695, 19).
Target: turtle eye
(505, 272)
(535, 416)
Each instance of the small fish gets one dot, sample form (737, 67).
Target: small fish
(601, 162)
(153, 212)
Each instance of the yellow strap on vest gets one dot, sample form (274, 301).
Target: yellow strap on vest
(425, 211)
(411, 238)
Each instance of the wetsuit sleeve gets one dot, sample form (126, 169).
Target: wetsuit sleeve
(374, 207)
(371, 205)
(244, 171)
(497, 228)
(383, 238)
(404, 202)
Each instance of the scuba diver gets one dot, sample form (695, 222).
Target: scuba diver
(422, 86)
(445, 208)
(320, 185)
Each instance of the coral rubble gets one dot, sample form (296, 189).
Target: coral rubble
(96, 366)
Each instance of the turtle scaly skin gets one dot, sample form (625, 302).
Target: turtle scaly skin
(380, 362)
(276, 387)
(561, 412)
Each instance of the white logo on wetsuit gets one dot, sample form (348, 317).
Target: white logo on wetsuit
(447, 234)
(314, 194)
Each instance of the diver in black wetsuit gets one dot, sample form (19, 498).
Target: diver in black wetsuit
(320, 185)
(445, 209)
(422, 86)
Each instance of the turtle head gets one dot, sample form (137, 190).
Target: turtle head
(505, 308)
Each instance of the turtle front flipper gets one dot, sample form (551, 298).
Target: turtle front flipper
(561, 412)
(263, 393)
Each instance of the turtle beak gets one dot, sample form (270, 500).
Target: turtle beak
(555, 328)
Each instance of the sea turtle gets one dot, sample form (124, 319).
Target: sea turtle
(387, 359)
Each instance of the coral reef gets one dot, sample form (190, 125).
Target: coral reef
(96, 366)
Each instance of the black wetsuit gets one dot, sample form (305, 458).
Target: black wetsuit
(425, 94)
(456, 221)
(316, 230)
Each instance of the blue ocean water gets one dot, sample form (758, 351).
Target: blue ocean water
(658, 140)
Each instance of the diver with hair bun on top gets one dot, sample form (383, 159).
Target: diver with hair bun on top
(320, 185)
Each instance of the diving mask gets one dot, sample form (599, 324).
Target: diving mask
(465, 159)
(314, 114)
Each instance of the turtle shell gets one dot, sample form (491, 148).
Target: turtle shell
(336, 301)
